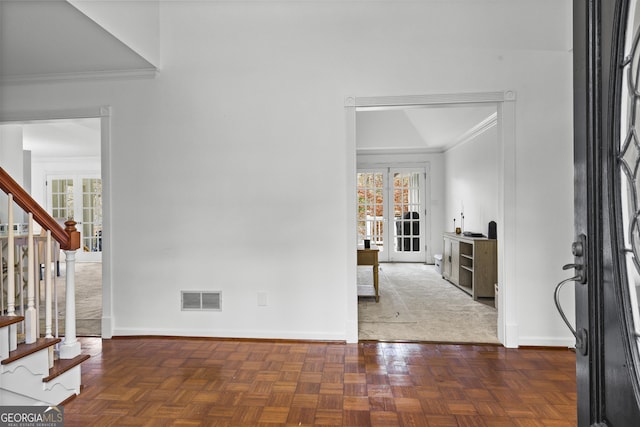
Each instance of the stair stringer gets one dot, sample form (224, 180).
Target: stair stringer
(23, 382)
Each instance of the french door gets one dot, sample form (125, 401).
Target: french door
(79, 197)
(391, 212)
(607, 211)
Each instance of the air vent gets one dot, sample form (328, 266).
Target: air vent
(201, 300)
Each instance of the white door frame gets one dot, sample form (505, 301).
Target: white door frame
(104, 114)
(505, 105)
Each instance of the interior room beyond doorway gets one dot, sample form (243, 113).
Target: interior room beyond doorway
(62, 172)
(457, 146)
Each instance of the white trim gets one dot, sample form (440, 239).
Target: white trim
(104, 113)
(474, 132)
(569, 342)
(107, 215)
(397, 150)
(351, 232)
(228, 333)
(144, 73)
(423, 101)
(507, 196)
(45, 115)
(507, 312)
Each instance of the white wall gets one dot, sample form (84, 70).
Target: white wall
(12, 161)
(471, 182)
(228, 169)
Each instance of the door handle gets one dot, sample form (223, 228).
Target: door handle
(578, 249)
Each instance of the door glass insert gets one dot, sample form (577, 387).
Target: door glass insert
(92, 214)
(62, 199)
(407, 207)
(628, 158)
(371, 207)
(80, 198)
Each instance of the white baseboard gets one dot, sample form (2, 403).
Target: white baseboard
(568, 342)
(209, 333)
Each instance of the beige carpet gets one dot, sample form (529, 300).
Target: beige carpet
(88, 282)
(416, 304)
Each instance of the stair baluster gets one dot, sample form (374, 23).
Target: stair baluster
(31, 317)
(47, 288)
(11, 278)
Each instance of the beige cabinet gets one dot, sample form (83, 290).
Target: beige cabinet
(450, 259)
(471, 264)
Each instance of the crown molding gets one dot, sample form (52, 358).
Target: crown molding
(397, 150)
(144, 73)
(376, 102)
(474, 132)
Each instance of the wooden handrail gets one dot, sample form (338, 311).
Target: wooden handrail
(69, 237)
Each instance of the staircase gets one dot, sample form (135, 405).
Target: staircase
(29, 375)
(35, 369)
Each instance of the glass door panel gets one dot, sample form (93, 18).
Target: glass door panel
(61, 199)
(371, 212)
(79, 197)
(407, 205)
(391, 212)
(92, 214)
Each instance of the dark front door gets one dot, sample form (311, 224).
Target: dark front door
(607, 210)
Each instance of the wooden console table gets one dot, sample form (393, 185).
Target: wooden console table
(370, 257)
(471, 263)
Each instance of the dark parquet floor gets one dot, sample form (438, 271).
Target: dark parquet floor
(208, 382)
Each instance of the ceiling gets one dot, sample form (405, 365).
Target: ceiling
(62, 138)
(428, 128)
(52, 39)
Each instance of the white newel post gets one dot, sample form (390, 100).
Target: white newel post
(30, 316)
(70, 347)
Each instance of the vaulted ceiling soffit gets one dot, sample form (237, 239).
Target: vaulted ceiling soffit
(53, 40)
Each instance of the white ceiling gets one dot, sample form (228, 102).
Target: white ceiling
(434, 129)
(52, 38)
(62, 138)
(443, 127)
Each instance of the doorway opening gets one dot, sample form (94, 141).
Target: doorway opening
(503, 120)
(67, 165)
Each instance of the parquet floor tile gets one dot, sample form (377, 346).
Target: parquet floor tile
(206, 382)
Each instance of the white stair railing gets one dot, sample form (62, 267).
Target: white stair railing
(15, 262)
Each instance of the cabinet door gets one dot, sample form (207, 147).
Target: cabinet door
(446, 258)
(455, 261)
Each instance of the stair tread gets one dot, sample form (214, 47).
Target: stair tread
(27, 349)
(10, 320)
(61, 366)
